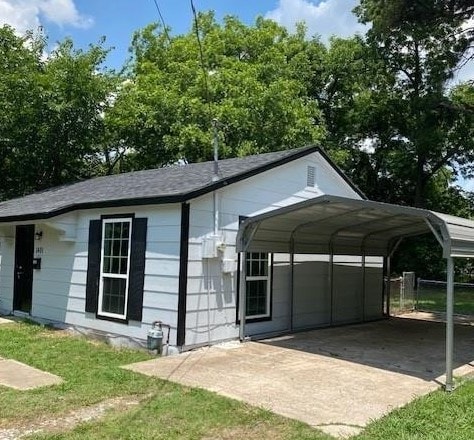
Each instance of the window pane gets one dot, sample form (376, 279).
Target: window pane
(113, 295)
(257, 264)
(117, 230)
(116, 247)
(116, 243)
(107, 247)
(107, 265)
(257, 297)
(123, 265)
(125, 229)
(115, 265)
(108, 230)
(124, 250)
(115, 262)
(263, 269)
(255, 268)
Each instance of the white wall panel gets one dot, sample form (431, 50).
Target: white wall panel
(59, 287)
(273, 189)
(7, 258)
(373, 291)
(312, 300)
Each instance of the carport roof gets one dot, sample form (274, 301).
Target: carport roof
(345, 226)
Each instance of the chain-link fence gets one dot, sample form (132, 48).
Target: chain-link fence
(431, 297)
(402, 293)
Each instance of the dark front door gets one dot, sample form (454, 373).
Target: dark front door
(23, 284)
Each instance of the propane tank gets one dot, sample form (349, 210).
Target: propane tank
(155, 337)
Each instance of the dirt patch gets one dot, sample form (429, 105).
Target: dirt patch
(55, 333)
(340, 431)
(262, 431)
(70, 420)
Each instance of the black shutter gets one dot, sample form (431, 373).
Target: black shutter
(137, 269)
(93, 265)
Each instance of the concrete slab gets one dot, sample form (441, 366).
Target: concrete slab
(5, 321)
(336, 379)
(14, 374)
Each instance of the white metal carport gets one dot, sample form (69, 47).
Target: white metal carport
(333, 225)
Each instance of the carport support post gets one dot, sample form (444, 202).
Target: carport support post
(389, 272)
(449, 324)
(292, 281)
(242, 296)
(331, 284)
(363, 266)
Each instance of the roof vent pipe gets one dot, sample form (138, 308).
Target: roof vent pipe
(215, 142)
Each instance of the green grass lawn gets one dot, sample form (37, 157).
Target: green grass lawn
(433, 298)
(191, 414)
(91, 374)
(90, 371)
(438, 416)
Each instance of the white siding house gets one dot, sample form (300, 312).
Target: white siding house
(113, 254)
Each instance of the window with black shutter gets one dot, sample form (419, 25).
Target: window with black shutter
(116, 266)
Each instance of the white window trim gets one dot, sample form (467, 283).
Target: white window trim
(268, 278)
(126, 276)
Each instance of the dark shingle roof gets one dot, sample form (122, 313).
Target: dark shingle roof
(162, 185)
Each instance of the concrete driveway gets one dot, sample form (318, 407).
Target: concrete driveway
(335, 379)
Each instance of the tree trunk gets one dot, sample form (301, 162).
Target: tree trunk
(419, 200)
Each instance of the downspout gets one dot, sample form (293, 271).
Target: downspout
(208, 270)
(215, 177)
(215, 200)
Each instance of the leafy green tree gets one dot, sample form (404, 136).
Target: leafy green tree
(254, 80)
(395, 123)
(52, 112)
(75, 95)
(353, 99)
(391, 117)
(19, 63)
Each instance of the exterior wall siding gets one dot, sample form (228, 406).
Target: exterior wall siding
(214, 293)
(7, 264)
(59, 286)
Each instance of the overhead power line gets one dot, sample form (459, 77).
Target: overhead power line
(201, 56)
(165, 28)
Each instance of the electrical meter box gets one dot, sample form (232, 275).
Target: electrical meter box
(211, 245)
